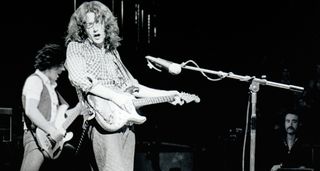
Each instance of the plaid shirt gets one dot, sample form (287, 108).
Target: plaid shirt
(88, 65)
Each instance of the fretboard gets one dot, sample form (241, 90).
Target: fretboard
(152, 100)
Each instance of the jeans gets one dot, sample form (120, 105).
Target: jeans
(113, 151)
(32, 156)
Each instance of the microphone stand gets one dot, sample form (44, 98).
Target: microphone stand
(254, 88)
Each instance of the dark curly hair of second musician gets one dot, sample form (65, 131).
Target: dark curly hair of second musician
(51, 55)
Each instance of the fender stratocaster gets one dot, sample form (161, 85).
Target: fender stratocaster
(111, 117)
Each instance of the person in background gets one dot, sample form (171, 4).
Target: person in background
(41, 103)
(289, 150)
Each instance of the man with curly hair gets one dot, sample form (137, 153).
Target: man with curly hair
(96, 71)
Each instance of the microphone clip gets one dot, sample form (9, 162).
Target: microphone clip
(151, 66)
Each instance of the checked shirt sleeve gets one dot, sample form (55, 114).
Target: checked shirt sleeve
(76, 66)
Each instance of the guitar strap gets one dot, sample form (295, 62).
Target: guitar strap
(83, 96)
(61, 100)
(126, 71)
(30, 126)
(27, 121)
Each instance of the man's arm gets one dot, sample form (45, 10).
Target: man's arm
(145, 91)
(38, 119)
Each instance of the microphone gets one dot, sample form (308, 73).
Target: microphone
(172, 68)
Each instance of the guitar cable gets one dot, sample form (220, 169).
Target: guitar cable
(84, 130)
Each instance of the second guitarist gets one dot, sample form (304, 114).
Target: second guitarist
(41, 103)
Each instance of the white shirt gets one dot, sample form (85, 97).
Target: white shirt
(33, 87)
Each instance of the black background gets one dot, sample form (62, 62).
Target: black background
(251, 38)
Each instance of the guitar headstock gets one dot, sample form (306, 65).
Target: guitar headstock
(189, 97)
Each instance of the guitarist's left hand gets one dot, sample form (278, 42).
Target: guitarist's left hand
(177, 97)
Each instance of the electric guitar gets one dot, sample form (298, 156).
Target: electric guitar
(50, 147)
(111, 117)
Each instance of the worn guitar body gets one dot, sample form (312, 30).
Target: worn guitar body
(111, 117)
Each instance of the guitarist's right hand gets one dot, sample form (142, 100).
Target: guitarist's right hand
(56, 134)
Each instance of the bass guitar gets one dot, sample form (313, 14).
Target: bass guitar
(50, 147)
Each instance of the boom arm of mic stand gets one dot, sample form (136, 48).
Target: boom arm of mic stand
(245, 78)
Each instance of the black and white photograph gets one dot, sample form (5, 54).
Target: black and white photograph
(159, 85)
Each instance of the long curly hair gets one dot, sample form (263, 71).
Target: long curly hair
(51, 55)
(76, 28)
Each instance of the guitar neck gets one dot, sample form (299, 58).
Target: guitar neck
(152, 100)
